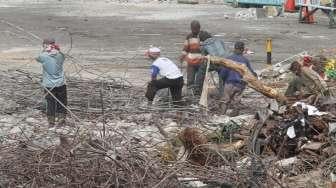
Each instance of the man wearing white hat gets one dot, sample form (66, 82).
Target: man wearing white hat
(172, 77)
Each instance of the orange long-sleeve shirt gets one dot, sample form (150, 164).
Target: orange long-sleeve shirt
(192, 47)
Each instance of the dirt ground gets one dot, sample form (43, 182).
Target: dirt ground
(110, 37)
(107, 39)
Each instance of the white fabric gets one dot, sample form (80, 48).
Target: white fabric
(194, 55)
(312, 110)
(204, 96)
(167, 68)
(291, 132)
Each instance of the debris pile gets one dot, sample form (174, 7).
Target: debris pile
(93, 163)
(299, 136)
(116, 141)
(113, 139)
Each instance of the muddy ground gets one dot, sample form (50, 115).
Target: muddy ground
(109, 36)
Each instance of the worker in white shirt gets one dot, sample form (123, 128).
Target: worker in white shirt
(172, 77)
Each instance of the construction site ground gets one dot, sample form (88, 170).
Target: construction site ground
(111, 36)
(104, 42)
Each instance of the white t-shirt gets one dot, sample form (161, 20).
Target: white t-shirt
(167, 68)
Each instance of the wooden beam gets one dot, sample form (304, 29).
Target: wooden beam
(249, 78)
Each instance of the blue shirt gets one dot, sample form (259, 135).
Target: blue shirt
(154, 71)
(53, 73)
(233, 77)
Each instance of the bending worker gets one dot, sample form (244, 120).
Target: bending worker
(172, 77)
(306, 81)
(233, 83)
(53, 81)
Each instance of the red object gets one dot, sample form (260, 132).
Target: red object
(309, 19)
(290, 6)
(307, 61)
(56, 46)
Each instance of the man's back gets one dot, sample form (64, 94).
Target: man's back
(313, 80)
(167, 68)
(233, 76)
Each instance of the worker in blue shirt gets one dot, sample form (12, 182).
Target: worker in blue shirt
(233, 83)
(53, 81)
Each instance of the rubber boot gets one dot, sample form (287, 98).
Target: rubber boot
(179, 118)
(234, 113)
(223, 108)
(51, 120)
(190, 91)
(61, 118)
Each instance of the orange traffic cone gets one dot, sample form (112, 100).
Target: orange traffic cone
(290, 6)
(309, 19)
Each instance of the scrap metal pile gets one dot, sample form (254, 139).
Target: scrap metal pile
(112, 139)
(120, 145)
(300, 137)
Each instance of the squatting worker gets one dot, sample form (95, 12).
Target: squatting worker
(53, 80)
(233, 83)
(192, 51)
(172, 77)
(306, 81)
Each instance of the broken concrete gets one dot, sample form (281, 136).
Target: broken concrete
(287, 162)
(315, 146)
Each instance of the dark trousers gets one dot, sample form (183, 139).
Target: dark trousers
(231, 97)
(191, 74)
(175, 86)
(53, 106)
(296, 85)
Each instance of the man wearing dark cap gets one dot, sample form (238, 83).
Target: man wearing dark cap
(192, 51)
(53, 80)
(233, 83)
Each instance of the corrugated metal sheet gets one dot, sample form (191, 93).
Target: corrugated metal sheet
(313, 2)
(257, 2)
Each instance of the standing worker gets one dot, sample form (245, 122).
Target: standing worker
(233, 83)
(192, 51)
(172, 77)
(53, 80)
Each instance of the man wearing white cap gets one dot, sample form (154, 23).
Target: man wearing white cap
(172, 77)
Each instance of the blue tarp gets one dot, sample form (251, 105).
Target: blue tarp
(214, 46)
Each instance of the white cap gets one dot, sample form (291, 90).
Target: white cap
(154, 50)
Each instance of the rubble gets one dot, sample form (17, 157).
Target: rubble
(272, 11)
(314, 146)
(251, 13)
(332, 128)
(287, 162)
(260, 148)
(113, 139)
